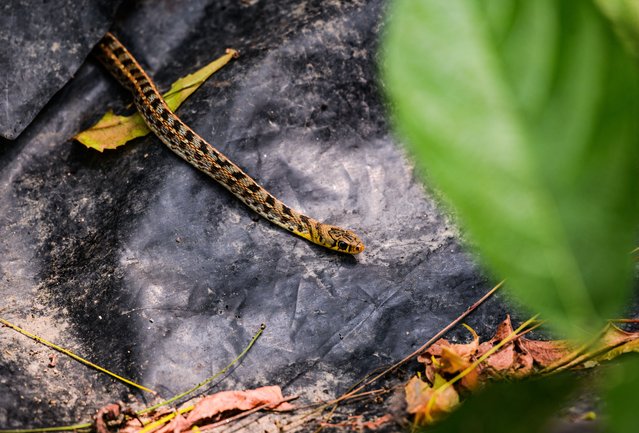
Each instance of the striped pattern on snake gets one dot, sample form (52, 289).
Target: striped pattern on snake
(194, 149)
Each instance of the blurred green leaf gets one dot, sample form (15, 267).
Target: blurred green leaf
(524, 407)
(625, 16)
(525, 115)
(621, 386)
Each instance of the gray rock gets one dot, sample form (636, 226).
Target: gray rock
(42, 44)
(142, 264)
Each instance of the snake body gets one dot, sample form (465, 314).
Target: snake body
(182, 140)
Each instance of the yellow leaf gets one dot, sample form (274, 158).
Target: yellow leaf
(113, 130)
(452, 362)
(616, 342)
(419, 395)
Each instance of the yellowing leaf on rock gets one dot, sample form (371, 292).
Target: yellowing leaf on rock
(182, 88)
(113, 130)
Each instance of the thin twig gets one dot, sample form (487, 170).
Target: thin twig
(423, 347)
(210, 379)
(73, 427)
(368, 393)
(74, 356)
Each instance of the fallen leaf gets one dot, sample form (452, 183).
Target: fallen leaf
(419, 395)
(110, 412)
(212, 405)
(452, 362)
(503, 359)
(114, 130)
(615, 336)
(176, 425)
(545, 353)
(504, 329)
(472, 379)
(616, 342)
(450, 358)
(518, 358)
(523, 365)
(464, 350)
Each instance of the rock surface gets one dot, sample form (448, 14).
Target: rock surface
(138, 262)
(41, 46)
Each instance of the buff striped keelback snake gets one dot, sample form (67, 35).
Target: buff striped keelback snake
(181, 139)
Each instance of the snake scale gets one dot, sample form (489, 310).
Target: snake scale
(182, 140)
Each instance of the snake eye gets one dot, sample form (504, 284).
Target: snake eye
(342, 245)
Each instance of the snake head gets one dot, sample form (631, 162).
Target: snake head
(345, 241)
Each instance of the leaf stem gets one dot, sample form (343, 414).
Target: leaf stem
(210, 379)
(74, 356)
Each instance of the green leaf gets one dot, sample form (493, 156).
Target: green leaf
(625, 16)
(620, 396)
(524, 407)
(525, 115)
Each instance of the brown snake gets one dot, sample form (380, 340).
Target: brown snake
(194, 149)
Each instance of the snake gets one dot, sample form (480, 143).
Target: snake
(191, 147)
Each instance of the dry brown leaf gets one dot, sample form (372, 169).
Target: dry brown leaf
(502, 360)
(518, 358)
(176, 425)
(472, 380)
(451, 362)
(615, 336)
(419, 395)
(434, 350)
(612, 343)
(449, 358)
(110, 412)
(504, 329)
(524, 363)
(616, 342)
(464, 350)
(210, 408)
(212, 405)
(545, 353)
